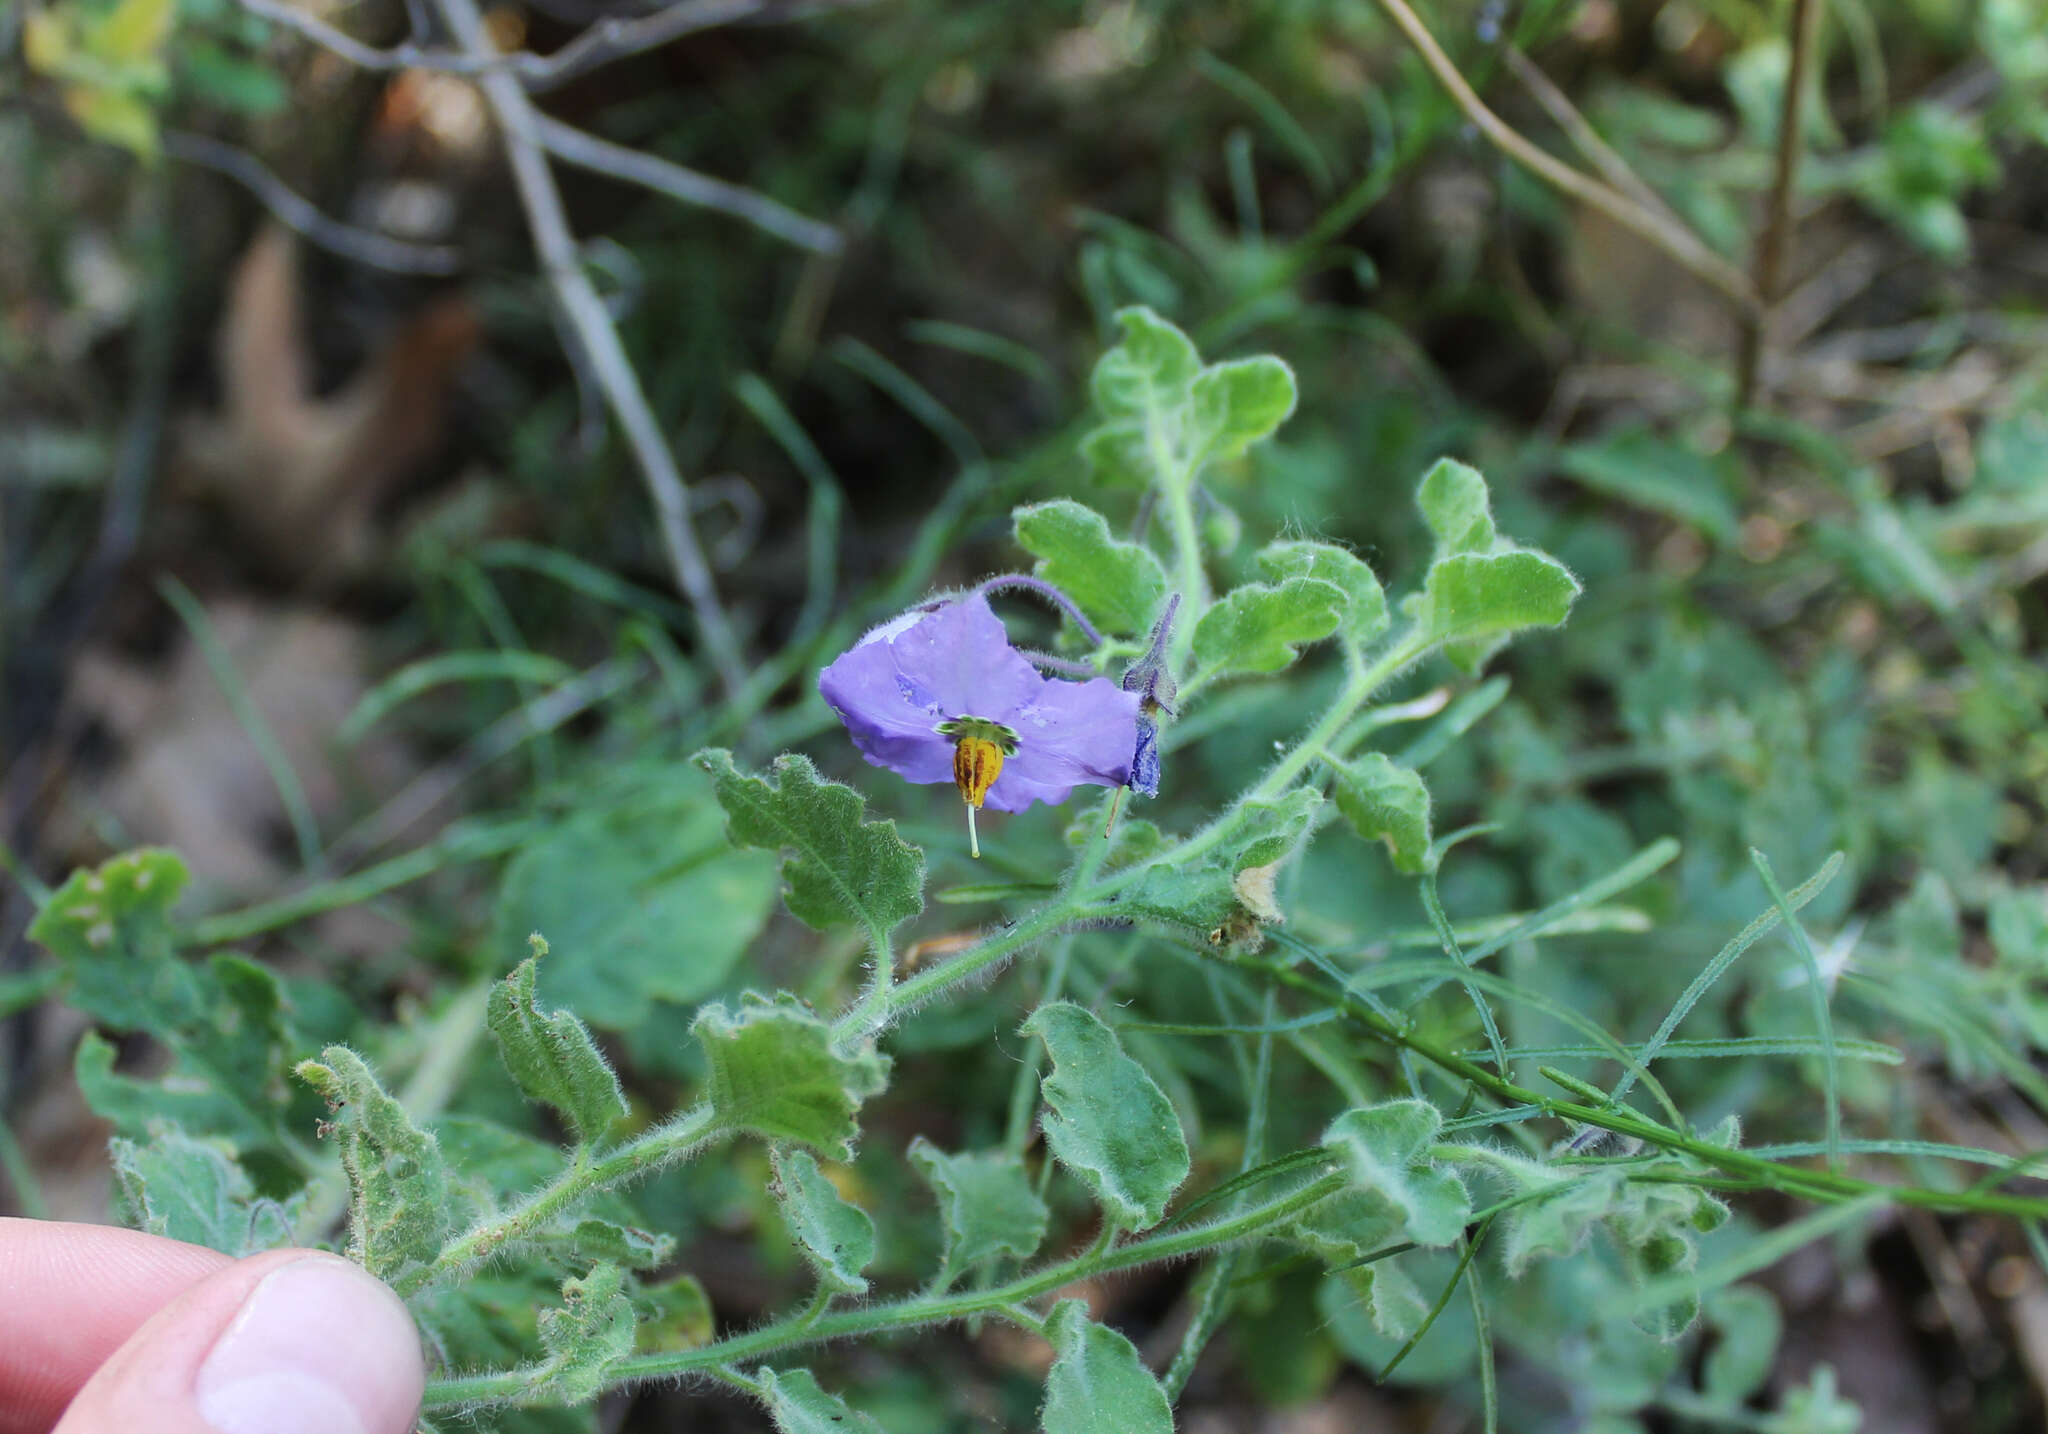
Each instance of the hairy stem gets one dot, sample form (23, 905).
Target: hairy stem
(508, 1387)
(666, 1142)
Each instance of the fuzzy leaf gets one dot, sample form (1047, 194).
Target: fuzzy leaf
(1476, 599)
(679, 1317)
(1386, 1148)
(627, 1246)
(1098, 1384)
(194, 1190)
(845, 870)
(585, 1336)
(1119, 585)
(986, 1205)
(1109, 1122)
(1455, 504)
(1256, 628)
(1556, 1224)
(551, 1055)
(398, 1182)
(111, 928)
(1148, 372)
(1204, 894)
(1365, 609)
(799, 1406)
(1235, 404)
(1386, 802)
(643, 898)
(774, 1072)
(1748, 1321)
(836, 1236)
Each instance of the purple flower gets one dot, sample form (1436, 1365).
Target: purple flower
(939, 695)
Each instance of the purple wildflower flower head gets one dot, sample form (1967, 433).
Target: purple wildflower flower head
(939, 695)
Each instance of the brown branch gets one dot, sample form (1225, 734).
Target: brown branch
(1684, 246)
(606, 41)
(594, 332)
(1770, 252)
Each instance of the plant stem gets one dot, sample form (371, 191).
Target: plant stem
(507, 1387)
(1820, 1186)
(1684, 246)
(666, 1142)
(1770, 253)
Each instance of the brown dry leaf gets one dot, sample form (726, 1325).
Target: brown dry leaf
(300, 475)
(192, 778)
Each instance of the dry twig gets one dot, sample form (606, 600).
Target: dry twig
(586, 315)
(1684, 246)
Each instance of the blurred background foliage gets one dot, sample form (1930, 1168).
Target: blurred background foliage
(337, 579)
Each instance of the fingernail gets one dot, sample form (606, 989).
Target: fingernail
(320, 1347)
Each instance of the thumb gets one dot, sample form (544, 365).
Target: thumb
(291, 1342)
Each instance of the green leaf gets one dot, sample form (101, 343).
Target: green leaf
(1256, 628)
(585, 1336)
(551, 1055)
(1098, 1384)
(1385, 801)
(1386, 1148)
(111, 929)
(1119, 585)
(774, 1072)
(1148, 372)
(1476, 599)
(180, 1097)
(626, 1246)
(1109, 1122)
(1365, 611)
(643, 900)
(398, 1182)
(1749, 1325)
(1455, 504)
(1637, 466)
(845, 870)
(194, 1190)
(1233, 405)
(678, 1317)
(1557, 1222)
(1165, 415)
(836, 1236)
(986, 1205)
(1204, 894)
(1348, 1226)
(799, 1406)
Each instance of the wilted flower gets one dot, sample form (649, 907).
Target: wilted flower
(939, 694)
(1150, 679)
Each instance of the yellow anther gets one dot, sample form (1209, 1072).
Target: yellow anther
(977, 762)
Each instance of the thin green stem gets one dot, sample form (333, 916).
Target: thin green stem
(509, 1387)
(1820, 1186)
(666, 1142)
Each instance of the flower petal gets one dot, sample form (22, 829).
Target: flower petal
(899, 682)
(1073, 733)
